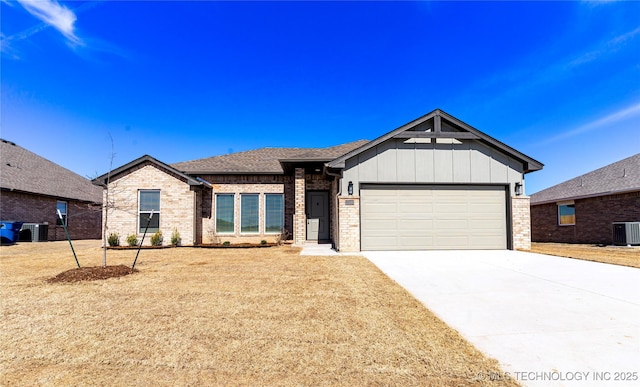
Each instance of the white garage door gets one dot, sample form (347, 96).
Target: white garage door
(433, 217)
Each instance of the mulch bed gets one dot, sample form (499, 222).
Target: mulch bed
(236, 245)
(92, 273)
(138, 247)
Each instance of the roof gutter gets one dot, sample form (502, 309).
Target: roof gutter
(595, 195)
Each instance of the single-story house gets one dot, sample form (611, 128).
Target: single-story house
(583, 209)
(434, 183)
(33, 189)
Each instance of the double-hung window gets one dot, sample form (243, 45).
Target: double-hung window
(61, 210)
(249, 213)
(273, 213)
(149, 210)
(566, 214)
(224, 214)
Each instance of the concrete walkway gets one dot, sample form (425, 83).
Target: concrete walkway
(321, 248)
(547, 320)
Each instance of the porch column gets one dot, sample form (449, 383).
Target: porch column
(299, 216)
(521, 222)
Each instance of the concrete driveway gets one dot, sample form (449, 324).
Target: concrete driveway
(547, 320)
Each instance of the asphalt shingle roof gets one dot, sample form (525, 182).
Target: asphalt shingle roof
(621, 176)
(263, 160)
(25, 171)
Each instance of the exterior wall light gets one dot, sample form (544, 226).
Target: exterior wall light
(350, 188)
(518, 189)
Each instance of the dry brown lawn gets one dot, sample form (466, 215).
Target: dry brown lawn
(625, 256)
(221, 317)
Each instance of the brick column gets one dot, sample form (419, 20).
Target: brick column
(349, 225)
(521, 222)
(299, 215)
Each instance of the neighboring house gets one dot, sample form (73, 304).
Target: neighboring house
(34, 188)
(582, 210)
(434, 183)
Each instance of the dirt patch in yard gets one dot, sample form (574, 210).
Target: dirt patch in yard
(195, 316)
(617, 255)
(92, 273)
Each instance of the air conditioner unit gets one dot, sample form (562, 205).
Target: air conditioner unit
(34, 232)
(626, 233)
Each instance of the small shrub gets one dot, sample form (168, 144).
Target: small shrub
(175, 237)
(263, 242)
(156, 239)
(226, 243)
(114, 239)
(282, 237)
(132, 240)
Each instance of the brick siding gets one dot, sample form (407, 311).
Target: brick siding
(520, 223)
(593, 219)
(83, 219)
(299, 215)
(349, 223)
(176, 204)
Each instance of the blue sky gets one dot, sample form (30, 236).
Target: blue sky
(559, 81)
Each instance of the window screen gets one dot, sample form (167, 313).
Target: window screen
(274, 213)
(250, 213)
(224, 213)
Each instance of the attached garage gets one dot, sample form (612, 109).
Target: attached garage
(433, 217)
(435, 183)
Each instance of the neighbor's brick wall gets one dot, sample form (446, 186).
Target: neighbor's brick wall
(593, 219)
(349, 224)
(83, 219)
(177, 202)
(521, 222)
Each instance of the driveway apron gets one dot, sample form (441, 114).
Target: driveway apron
(547, 320)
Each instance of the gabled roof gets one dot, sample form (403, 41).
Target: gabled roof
(263, 161)
(619, 177)
(439, 124)
(24, 171)
(102, 180)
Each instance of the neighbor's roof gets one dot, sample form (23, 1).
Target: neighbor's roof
(25, 171)
(619, 177)
(263, 160)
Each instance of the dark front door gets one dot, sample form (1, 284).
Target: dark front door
(317, 215)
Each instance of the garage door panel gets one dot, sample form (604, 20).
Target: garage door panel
(433, 217)
(416, 243)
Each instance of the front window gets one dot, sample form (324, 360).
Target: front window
(566, 214)
(61, 211)
(224, 214)
(149, 211)
(249, 213)
(273, 213)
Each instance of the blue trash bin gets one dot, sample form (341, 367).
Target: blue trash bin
(9, 232)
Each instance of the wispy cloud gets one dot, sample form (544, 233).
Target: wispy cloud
(604, 122)
(52, 14)
(604, 49)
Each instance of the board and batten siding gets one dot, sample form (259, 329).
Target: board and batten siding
(400, 161)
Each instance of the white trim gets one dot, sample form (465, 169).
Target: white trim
(153, 211)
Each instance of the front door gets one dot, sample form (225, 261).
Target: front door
(317, 215)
